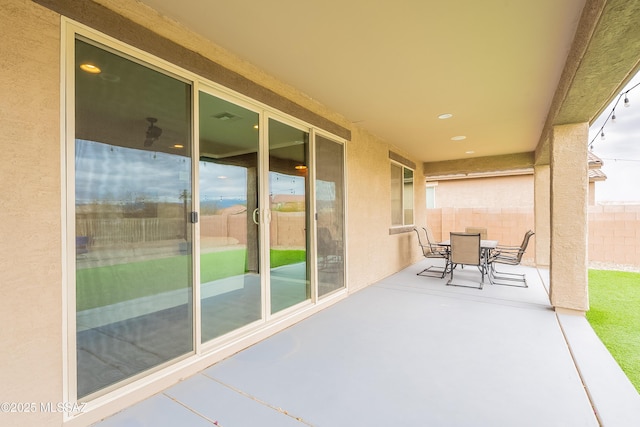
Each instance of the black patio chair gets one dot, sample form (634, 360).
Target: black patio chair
(509, 255)
(431, 250)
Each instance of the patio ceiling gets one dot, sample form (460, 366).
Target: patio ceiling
(505, 70)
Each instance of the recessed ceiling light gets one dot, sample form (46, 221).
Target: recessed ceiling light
(445, 116)
(469, 152)
(300, 167)
(458, 138)
(90, 68)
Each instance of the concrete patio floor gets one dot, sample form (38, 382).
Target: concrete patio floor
(410, 351)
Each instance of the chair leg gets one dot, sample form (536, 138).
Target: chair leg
(504, 278)
(433, 271)
(436, 271)
(450, 281)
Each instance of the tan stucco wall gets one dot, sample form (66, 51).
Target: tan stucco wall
(31, 273)
(542, 214)
(372, 252)
(30, 248)
(500, 192)
(569, 184)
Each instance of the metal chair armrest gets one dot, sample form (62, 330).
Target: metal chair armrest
(507, 247)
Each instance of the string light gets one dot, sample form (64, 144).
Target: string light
(612, 114)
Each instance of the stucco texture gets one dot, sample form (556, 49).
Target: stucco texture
(369, 213)
(568, 273)
(505, 192)
(30, 180)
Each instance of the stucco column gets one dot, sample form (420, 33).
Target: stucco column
(569, 226)
(542, 214)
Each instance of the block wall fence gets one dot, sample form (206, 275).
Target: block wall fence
(614, 230)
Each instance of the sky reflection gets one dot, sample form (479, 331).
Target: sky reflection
(114, 174)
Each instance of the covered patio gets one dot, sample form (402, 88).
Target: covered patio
(409, 350)
(115, 108)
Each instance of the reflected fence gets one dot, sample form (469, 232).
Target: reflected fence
(287, 230)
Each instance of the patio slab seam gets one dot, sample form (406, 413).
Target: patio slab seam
(190, 409)
(257, 400)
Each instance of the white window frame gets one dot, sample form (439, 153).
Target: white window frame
(430, 185)
(403, 192)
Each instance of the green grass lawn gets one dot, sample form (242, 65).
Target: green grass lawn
(614, 297)
(100, 286)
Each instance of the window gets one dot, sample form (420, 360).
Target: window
(431, 195)
(401, 195)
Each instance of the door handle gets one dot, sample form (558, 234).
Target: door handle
(255, 216)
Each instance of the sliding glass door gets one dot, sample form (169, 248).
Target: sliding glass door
(133, 278)
(145, 138)
(329, 192)
(230, 286)
(231, 216)
(288, 237)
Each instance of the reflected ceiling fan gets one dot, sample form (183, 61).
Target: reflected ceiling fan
(153, 132)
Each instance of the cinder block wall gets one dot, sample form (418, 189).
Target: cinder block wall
(614, 230)
(506, 225)
(614, 234)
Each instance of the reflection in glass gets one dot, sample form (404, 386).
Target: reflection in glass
(132, 199)
(330, 218)
(288, 154)
(407, 196)
(229, 250)
(396, 195)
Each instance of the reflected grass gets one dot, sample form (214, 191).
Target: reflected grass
(101, 286)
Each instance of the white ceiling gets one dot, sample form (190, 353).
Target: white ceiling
(393, 66)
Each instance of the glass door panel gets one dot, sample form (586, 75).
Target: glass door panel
(229, 245)
(329, 185)
(288, 189)
(132, 202)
